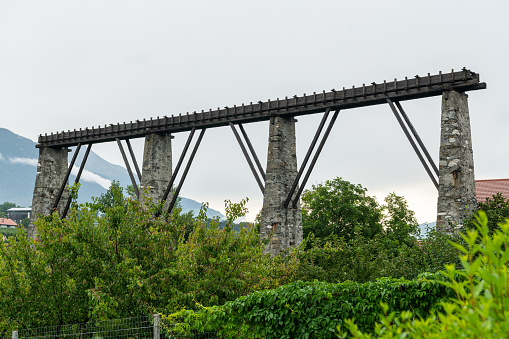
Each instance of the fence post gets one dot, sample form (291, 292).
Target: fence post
(14, 334)
(157, 327)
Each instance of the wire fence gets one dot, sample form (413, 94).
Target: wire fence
(128, 328)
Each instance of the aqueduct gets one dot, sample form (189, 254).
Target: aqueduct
(282, 182)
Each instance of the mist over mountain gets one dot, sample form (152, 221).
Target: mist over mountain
(18, 168)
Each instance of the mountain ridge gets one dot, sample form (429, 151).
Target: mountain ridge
(18, 168)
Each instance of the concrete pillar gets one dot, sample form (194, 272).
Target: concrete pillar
(156, 169)
(51, 170)
(285, 224)
(456, 193)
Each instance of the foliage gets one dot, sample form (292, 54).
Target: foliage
(316, 309)
(8, 232)
(394, 251)
(125, 262)
(339, 207)
(496, 209)
(334, 259)
(4, 207)
(25, 222)
(112, 196)
(128, 263)
(360, 259)
(480, 309)
(399, 221)
(344, 209)
(429, 254)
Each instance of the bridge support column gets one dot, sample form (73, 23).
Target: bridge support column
(156, 168)
(51, 172)
(282, 225)
(456, 192)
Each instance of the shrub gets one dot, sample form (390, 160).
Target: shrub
(361, 259)
(315, 309)
(480, 307)
(496, 209)
(129, 263)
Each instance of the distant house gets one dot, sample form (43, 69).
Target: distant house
(487, 188)
(6, 222)
(19, 213)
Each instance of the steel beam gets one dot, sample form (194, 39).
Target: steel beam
(306, 158)
(135, 186)
(251, 166)
(315, 158)
(412, 142)
(374, 94)
(416, 135)
(66, 178)
(177, 168)
(78, 176)
(253, 152)
(186, 170)
(135, 163)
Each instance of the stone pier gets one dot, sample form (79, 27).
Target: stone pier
(283, 225)
(51, 170)
(156, 168)
(456, 193)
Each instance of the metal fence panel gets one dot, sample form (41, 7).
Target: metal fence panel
(128, 328)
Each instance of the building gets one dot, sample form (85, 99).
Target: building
(6, 222)
(19, 213)
(487, 188)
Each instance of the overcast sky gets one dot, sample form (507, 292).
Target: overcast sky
(72, 64)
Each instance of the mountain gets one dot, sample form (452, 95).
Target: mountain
(18, 167)
(425, 226)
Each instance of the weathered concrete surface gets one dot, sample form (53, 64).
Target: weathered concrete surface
(51, 171)
(456, 193)
(283, 225)
(156, 169)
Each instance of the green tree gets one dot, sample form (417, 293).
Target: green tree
(479, 309)
(496, 209)
(4, 207)
(340, 207)
(114, 195)
(127, 263)
(399, 221)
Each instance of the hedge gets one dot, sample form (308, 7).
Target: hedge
(316, 309)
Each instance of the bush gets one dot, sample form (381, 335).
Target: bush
(496, 209)
(129, 263)
(334, 259)
(8, 232)
(316, 309)
(481, 289)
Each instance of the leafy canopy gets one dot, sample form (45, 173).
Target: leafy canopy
(4, 207)
(496, 209)
(128, 263)
(344, 209)
(480, 308)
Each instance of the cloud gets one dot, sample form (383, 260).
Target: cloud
(92, 177)
(24, 161)
(1, 157)
(85, 176)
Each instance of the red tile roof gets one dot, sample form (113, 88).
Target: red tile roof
(7, 222)
(486, 188)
